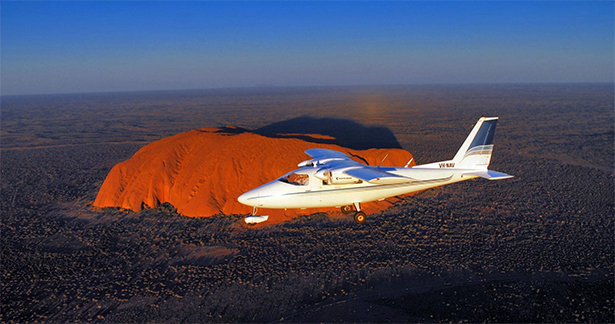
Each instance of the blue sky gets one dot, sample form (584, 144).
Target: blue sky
(65, 47)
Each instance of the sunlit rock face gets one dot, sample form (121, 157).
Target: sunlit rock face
(203, 171)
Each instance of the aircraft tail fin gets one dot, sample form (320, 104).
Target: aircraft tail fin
(475, 153)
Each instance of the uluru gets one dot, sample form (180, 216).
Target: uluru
(202, 172)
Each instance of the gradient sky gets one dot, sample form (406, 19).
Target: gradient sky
(65, 47)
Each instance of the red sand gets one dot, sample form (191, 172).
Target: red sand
(202, 172)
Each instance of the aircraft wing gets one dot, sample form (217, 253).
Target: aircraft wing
(376, 176)
(333, 160)
(330, 159)
(320, 154)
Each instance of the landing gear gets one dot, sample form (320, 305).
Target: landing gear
(347, 210)
(360, 217)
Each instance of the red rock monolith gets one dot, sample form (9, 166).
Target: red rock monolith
(203, 171)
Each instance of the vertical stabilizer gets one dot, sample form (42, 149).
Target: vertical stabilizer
(475, 153)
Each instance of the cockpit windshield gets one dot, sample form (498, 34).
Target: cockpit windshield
(296, 179)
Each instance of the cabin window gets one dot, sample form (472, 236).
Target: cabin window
(297, 179)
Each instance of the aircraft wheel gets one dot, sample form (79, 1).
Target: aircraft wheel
(360, 217)
(347, 210)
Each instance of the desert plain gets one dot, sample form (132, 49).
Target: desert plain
(535, 248)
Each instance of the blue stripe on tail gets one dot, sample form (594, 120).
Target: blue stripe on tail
(485, 134)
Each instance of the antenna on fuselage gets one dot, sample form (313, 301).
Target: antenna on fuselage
(385, 157)
(407, 164)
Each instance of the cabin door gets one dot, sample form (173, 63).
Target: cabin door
(315, 188)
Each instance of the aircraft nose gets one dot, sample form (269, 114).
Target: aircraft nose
(243, 198)
(249, 198)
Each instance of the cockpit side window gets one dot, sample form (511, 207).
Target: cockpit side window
(296, 179)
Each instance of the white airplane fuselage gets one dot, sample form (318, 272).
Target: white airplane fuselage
(317, 193)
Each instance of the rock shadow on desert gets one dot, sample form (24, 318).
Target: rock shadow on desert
(343, 132)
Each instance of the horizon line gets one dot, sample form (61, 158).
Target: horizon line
(309, 86)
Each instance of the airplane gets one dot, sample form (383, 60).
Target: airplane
(333, 179)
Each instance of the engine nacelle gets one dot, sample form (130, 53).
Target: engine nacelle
(316, 162)
(335, 177)
(342, 178)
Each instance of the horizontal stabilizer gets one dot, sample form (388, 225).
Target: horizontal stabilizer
(490, 175)
(375, 176)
